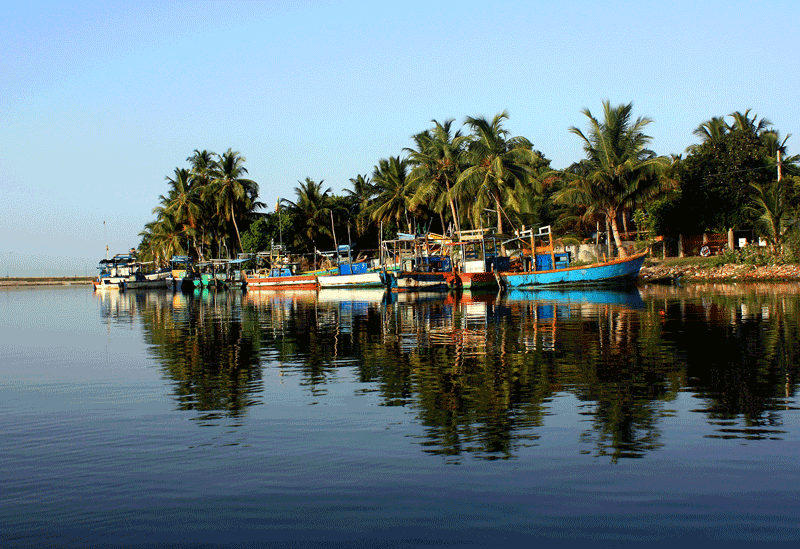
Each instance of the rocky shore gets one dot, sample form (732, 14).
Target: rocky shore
(665, 272)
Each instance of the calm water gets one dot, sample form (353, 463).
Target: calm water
(661, 415)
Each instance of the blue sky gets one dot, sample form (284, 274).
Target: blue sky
(100, 101)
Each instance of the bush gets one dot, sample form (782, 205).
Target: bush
(752, 255)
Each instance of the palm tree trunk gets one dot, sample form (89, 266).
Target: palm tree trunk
(615, 231)
(453, 209)
(500, 227)
(235, 226)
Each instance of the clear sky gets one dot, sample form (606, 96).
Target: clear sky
(100, 101)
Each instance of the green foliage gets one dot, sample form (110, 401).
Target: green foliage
(645, 224)
(498, 174)
(311, 215)
(752, 255)
(487, 176)
(266, 231)
(203, 207)
(620, 173)
(720, 177)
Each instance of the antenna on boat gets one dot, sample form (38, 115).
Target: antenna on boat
(105, 235)
(280, 229)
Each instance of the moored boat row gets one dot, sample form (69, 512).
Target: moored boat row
(475, 262)
(428, 262)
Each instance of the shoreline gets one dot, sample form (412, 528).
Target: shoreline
(654, 273)
(15, 281)
(731, 272)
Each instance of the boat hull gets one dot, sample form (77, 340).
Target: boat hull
(619, 271)
(361, 280)
(144, 284)
(109, 283)
(477, 281)
(412, 281)
(299, 281)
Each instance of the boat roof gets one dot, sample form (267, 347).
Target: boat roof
(119, 258)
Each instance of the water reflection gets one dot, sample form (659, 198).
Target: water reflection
(204, 343)
(483, 373)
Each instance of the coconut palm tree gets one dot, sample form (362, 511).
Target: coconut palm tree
(391, 202)
(777, 211)
(620, 171)
(437, 162)
(498, 175)
(235, 196)
(359, 198)
(312, 211)
(167, 237)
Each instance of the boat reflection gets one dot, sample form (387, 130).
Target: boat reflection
(484, 373)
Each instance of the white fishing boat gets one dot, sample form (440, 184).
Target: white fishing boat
(114, 271)
(351, 274)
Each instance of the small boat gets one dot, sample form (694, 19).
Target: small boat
(220, 274)
(115, 270)
(350, 274)
(545, 267)
(141, 280)
(422, 262)
(182, 276)
(280, 276)
(476, 257)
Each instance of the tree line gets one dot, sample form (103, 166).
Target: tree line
(481, 176)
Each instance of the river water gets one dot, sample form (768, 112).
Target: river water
(304, 419)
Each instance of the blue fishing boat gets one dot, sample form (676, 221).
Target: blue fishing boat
(545, 267)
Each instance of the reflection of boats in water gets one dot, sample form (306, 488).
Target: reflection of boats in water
(366, 295)
(281, 295)
(629, 297)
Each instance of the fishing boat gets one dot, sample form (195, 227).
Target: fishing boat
(220, 274)
(182, 276)
(285, 275)
(476, 258)
(422, 263)
(141, 280)
(115, 270)
(545, 267)
(350, 274)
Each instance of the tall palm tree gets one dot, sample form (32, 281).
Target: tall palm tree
(743, 122)
(181, 206)
(312, 210)
(712, 130)
(437, 163)
(620, 171)
(498, 172)
(167, 237)
(391, 202)
(359, 197)
(201, 165)
(235, 196)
